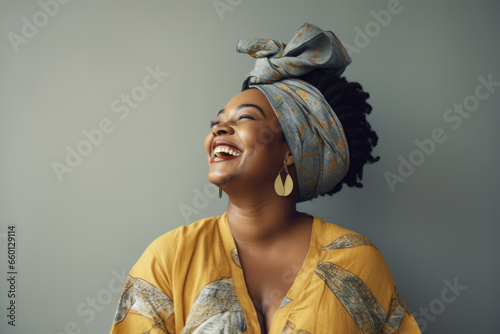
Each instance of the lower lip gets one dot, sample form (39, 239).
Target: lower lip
(219, 159)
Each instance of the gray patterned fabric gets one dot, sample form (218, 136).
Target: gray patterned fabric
(356, 297)
(309, 49)
(216, 309)
(312, 130)
(144, 298)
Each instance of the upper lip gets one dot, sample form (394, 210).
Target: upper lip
(224, 143)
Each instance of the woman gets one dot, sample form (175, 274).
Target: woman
(264, 267)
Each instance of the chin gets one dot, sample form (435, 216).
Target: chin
(218, 178)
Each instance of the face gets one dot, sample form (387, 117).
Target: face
(246, 146)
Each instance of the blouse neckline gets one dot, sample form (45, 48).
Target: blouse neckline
(282, 313)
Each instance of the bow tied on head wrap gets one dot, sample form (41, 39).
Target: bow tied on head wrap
(311, 128)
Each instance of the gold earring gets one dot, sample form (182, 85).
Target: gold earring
(220, 193)
(283, 189)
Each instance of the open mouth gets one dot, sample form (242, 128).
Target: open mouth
(226, 151)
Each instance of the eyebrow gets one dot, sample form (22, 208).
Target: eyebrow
(246, 105)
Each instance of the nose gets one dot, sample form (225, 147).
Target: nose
(222, 128)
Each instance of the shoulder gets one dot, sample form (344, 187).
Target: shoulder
(168, 255)
(351, 254)
(338, 237)
(172, 249)
(354, 269)
(351, 250)
(197, 232)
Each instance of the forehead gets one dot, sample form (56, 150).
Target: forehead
(250, 96)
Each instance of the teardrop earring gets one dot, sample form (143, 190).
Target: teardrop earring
(283, 189)
(220, 193)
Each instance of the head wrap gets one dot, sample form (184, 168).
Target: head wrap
(311, 128)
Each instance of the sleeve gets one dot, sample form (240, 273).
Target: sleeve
(361, 280)
(398, 317)
(145, 304)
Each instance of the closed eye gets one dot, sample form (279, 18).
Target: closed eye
(246, 116)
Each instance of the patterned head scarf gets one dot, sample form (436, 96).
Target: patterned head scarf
(311, 128)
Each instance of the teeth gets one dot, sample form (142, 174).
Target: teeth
(227, 150)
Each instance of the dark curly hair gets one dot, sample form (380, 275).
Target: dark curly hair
(348, 100)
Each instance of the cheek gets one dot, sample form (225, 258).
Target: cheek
(265, 136)
(271, 135)
(263, 139)
(257, 137)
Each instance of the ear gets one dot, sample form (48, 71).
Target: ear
(288, 158)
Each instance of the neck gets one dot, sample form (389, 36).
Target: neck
(261, 222)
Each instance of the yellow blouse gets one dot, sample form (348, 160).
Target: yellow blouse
(190, 280)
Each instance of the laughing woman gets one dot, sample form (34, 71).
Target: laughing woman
(296, 131)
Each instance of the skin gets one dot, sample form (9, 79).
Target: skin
(272, 237)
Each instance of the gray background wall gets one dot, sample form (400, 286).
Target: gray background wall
(77, 237)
